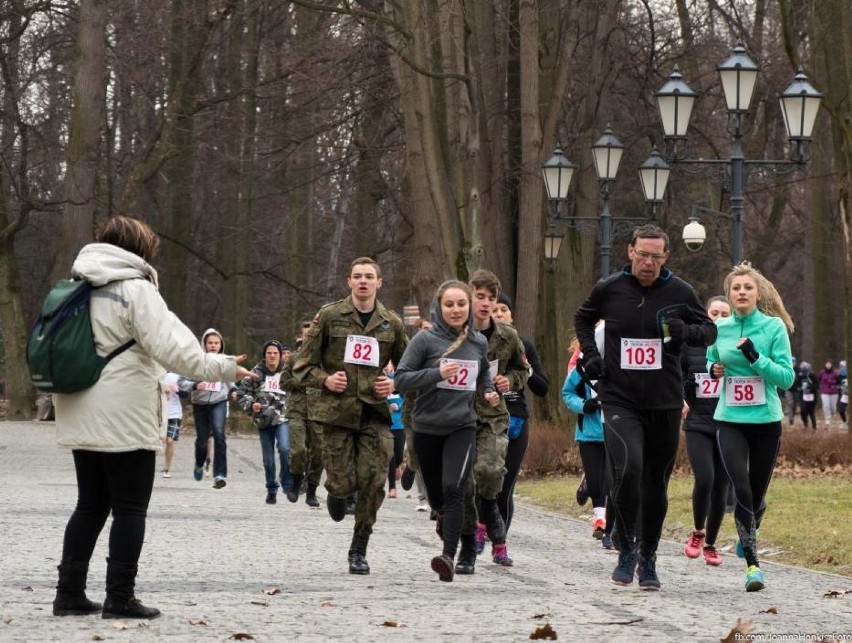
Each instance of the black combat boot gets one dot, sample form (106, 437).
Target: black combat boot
(295, 487)
(350, 504)
(336, 507)
(358, 555)
(120, 600)
(467, 556)
(311, 496)
(494, 525)
(71, 590)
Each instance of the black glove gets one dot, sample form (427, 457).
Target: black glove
(592, 405)
(593, 368)
(677, 329)
(747, 349)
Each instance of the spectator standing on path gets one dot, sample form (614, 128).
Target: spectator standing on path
(174, 417)
(752, 356)
(510, 371)
(447, 366)
(807, 384)
(792, 396)
(115, 427)
(710, 489)
(843, 400)
(649, 313)
(209, 411)
(516, 403)
(829, 391)
(264, 398)
(348, 345)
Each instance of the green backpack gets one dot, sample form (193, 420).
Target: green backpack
(61, 351)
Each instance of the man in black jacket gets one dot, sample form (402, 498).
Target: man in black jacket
(649, 314)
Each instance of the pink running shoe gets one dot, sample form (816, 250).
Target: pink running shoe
(598, 527)
(692, 549)
(480, 538)
(711, 556)
(500, 556)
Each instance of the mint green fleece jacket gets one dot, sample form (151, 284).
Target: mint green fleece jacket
(772, 343)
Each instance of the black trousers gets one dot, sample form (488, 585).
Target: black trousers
(514, 459)
(593, 456)
(641, 447)
(398, 455)
(120, 483)
(445, 462)
(710, 491)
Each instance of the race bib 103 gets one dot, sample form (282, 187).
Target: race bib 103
(641, 354)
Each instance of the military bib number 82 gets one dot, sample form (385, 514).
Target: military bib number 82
(362, 350)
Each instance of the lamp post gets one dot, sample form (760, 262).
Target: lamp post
(738, 74)
(607, 152)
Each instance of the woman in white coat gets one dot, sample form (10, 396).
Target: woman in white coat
(116, 427)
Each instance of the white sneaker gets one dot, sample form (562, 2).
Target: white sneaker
(423, 506)
(166, 473)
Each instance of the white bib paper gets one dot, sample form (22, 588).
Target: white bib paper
(493, 368)
(707, 386)
(641, 354)
(362, 350)
(807, 397)
(213, 386)
(272, 383)
(465, 379)
(745, 391)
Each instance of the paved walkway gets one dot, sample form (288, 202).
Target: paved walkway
(210, 555)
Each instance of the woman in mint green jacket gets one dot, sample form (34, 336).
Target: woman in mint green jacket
(752, 356)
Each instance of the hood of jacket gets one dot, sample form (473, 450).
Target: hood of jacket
(102, 263)
(441, 328)
(206, 334)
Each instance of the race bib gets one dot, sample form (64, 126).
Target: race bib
(641, 354)
(807, 397)
(465, 379)
(707, 386)
(213, 386)
(362, 350)
(745, 391)
(272, 383)
(844, 399)
(493, 368)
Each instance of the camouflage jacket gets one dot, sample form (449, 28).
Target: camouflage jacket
(322, 354)
(297, 404)
(506, 347)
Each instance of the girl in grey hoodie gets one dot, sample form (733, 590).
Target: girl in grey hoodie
(447, 366)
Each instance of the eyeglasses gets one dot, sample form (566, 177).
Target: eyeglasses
(647, 256)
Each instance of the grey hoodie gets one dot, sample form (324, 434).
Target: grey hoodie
(440, 411)
(207, 397)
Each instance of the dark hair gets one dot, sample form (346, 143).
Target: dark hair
(650, 231)
(130, 234)
(365, 261)
(482, 278)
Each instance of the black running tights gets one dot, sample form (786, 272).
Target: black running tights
(514, 459)
(709, 493)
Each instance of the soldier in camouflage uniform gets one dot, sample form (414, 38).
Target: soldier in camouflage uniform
(510, 371)
(305, 437)
(341, 362)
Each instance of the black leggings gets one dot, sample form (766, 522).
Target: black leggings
(809, 411)
(641, 447)
(116, 482)
(514, 459)
(709, 493)
(445, 461)
(593, 455)
(748, 453)
(398, 454)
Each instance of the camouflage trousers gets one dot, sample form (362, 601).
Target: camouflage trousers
(306, 449)
(358, 460)
(489, 469)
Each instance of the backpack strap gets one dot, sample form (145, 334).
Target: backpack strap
(118, 351)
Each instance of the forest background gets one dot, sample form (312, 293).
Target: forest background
(270, 142)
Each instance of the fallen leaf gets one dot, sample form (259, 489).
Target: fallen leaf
(394, 624)
(8, 621)
(97, 637)
(771, 610)
(197, 621)
(27, 589)
(738, 631)
(630, 622)
(121, 625)
(261, 603)
(544, 632)
(833, 593)
(241, 636)
(541, 615)
(144, 624)
(326, 604)
(272, 591)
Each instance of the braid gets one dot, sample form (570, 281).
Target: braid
(459, 341)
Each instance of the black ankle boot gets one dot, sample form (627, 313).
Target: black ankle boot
(494, 525)
(120, 601)
(311, 496)
(467, 557)
(336, 507)
(358, 555)
(295, 487)
(71, 590)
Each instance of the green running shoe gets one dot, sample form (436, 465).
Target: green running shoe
(754, 579)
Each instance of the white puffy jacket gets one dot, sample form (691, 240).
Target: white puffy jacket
(124, 410)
